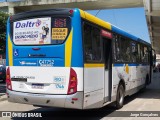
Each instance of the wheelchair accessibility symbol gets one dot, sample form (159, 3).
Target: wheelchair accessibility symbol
(15, 52)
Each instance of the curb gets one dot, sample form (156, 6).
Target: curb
(3, 97)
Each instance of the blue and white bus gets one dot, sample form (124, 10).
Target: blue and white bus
(68, 58)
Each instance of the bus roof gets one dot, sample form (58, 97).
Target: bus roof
(28, 14)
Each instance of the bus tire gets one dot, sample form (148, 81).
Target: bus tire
(147, 80)
(120, 96)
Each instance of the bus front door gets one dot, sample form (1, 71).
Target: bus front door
(108, 69)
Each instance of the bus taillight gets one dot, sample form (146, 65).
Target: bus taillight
(8, 79)
(71, 12)
(72, 87)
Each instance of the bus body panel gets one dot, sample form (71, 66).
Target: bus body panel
(57, 96)
(47, 80)
(43, 100)
(93, 85)
(134, 76)
(28, 52)
(54, 80)
(119, 72)
(94, 94)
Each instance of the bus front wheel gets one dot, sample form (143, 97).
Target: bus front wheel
(120, 97)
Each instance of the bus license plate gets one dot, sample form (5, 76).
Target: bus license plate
(37, 86)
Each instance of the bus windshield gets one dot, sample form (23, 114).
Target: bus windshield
(40, 31)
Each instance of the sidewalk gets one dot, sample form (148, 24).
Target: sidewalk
(3, 97)
(155, 83)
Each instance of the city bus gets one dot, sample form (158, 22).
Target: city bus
(69, 58)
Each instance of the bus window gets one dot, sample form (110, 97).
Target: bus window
(139, 54)
(42, 30)
(92, 43)
(125, 49)
(145, 56)
(134, 51)
(96, 46)
(88, 42)
(116, 48)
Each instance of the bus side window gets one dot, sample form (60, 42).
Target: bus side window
(116, 49)
(139, 54)
(134, 51)
(125, 49)
(145, 56)
(87, 42)
(92, 44)
(96, 46)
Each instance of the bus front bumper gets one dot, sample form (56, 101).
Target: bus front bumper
(65, 101)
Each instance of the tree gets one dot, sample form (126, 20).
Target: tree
(3, 22)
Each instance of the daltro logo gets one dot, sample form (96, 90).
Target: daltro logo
(28, 24)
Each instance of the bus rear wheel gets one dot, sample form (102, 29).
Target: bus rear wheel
(120, 97)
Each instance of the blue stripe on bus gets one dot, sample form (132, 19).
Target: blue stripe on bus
(119, 31)
(118, 65)
(132, 64)
(144, 42)
(7, 33)
(77, 47)
(53, 54)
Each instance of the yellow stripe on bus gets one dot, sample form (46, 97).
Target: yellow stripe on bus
(10, 51)
(95, 20)
(82, 13)
(88, 65)
(68, 50)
